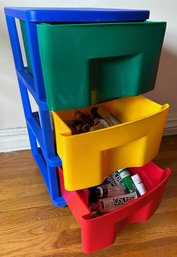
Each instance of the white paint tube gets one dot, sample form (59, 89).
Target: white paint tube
(139, 184)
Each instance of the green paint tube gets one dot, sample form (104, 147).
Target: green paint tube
(127, 181)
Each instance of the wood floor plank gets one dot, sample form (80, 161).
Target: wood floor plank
(30, 226)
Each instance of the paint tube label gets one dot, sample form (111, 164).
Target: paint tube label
(117, 178)
(111, 203)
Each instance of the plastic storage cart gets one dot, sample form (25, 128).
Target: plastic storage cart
(77, 58)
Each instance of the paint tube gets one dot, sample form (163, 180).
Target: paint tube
(110, 182)
(83, 117)
(107, 191)
(99, 124)
(111, 203)
(117, 178)
(139, 184)
(104, 114)
(78, 127)
(127, 181)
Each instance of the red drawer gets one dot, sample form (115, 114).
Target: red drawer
(100, 232)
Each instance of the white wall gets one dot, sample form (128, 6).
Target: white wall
(11, 114)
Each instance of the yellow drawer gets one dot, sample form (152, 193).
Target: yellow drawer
(89, 157)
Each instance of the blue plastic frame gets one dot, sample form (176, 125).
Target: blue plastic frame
(76, 14)
(40, 130)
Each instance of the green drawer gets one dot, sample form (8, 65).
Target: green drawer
(87, 63)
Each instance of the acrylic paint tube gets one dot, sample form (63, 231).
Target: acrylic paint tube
(117, 178)
(114, 180)
(127, 181)
(78, 127)
(104, 114)
(107, 191)
(99, 124)
(139, 184)
(111, 203)
(72, 125)
(84, 118)
(110, 182)
(85, 128)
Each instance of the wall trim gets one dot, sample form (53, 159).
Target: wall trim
(16, 139)
(170, 127)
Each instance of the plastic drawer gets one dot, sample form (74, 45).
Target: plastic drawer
(71, 15)
(89, 157)
(80, 62)
(101, 232)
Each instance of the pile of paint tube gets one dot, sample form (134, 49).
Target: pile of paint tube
(98, 118)
(116, 191)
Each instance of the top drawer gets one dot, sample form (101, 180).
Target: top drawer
(85, 63)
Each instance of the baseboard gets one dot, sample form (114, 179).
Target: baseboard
(16, 139)
(170, 127)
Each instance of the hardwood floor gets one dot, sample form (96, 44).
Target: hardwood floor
(31, 227)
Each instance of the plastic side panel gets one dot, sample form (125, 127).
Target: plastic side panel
(87, 63)
(95, 155)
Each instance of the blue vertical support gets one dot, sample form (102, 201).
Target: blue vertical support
(47, 133)
(18, 60)
(39, 131)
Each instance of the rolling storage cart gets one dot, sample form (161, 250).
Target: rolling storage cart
(77, 58)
